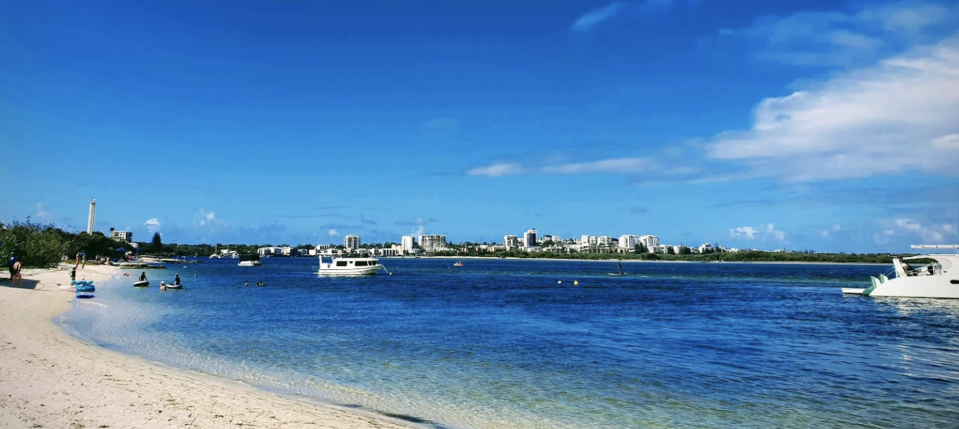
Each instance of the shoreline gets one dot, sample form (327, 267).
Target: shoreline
(51, 379)
(512, 258)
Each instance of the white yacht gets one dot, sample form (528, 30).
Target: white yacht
(347, 266)
(937, 279)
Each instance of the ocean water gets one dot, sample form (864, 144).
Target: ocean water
(516, 344)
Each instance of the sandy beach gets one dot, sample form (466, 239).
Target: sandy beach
(51, 380)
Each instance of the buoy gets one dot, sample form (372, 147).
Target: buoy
(576, 283)
(559, 282)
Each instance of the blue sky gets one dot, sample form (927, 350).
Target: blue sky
(822, 125)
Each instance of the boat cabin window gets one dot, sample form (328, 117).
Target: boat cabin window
(372, 262)
(361, 263)
(340, 263)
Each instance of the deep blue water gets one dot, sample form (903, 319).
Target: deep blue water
(516, 344)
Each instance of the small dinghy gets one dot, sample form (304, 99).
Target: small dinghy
(141, 283)
(66, 288)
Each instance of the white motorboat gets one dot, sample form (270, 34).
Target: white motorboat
(936, 277)
(347, 266)
(248, 264)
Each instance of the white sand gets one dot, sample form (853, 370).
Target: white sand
(51, 380)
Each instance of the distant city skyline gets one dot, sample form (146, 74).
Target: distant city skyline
(823, 125)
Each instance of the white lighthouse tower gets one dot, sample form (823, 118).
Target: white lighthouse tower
(93, 214)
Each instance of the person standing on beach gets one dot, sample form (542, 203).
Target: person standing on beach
(73, 274)
(84, 266)
(16, 278)
(13, 260)
(77, 265)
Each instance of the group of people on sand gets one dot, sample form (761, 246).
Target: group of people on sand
(16, 278)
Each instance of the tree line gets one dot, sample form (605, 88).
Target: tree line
(38, 245)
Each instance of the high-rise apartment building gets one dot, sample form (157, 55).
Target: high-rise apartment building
(628, 242)
(432, 243)
(511, 242)
(351, 242)
(651, 242)
(529, 238)
(407, 243)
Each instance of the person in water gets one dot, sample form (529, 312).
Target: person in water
(176, 279)
(246, 283)
(143, 276)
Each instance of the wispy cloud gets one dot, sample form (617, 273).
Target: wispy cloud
(496, 170)
(915, 231)
(604, 166)
(418, 221)
(590, 19)
(819, 38)
(889, 118)
(43, 214)
(764, 233)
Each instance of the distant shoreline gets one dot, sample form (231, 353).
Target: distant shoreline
(637, 260)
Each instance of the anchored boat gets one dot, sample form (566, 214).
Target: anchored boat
(935, 275)
(348, 266)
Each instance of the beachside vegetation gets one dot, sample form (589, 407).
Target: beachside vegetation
(38, 245)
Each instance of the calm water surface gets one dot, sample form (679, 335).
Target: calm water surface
(516, 344)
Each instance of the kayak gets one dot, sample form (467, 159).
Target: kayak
(179, 286)
(141, 283)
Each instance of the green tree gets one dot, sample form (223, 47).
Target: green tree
(157, 242)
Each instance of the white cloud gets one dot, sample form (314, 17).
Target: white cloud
(765, 233)
(743, 232)
(608, 166)
(621, 165)
(496, 170)
(43, 214)
(832, 229)
(152, 224)
(916, 231)
(333, 232)
(894, 117)
(841, 39)
(596, 16)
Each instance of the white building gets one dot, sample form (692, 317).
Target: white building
(511, 242)
(351, 242)
(433, 243)
(124, 236)
(529, 238)
(651, 242)
(628, 242)
(407, 244)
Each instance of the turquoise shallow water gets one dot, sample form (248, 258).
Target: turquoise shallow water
(515, 344)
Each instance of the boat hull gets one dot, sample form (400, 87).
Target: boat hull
(917, 287)
(348, 271)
